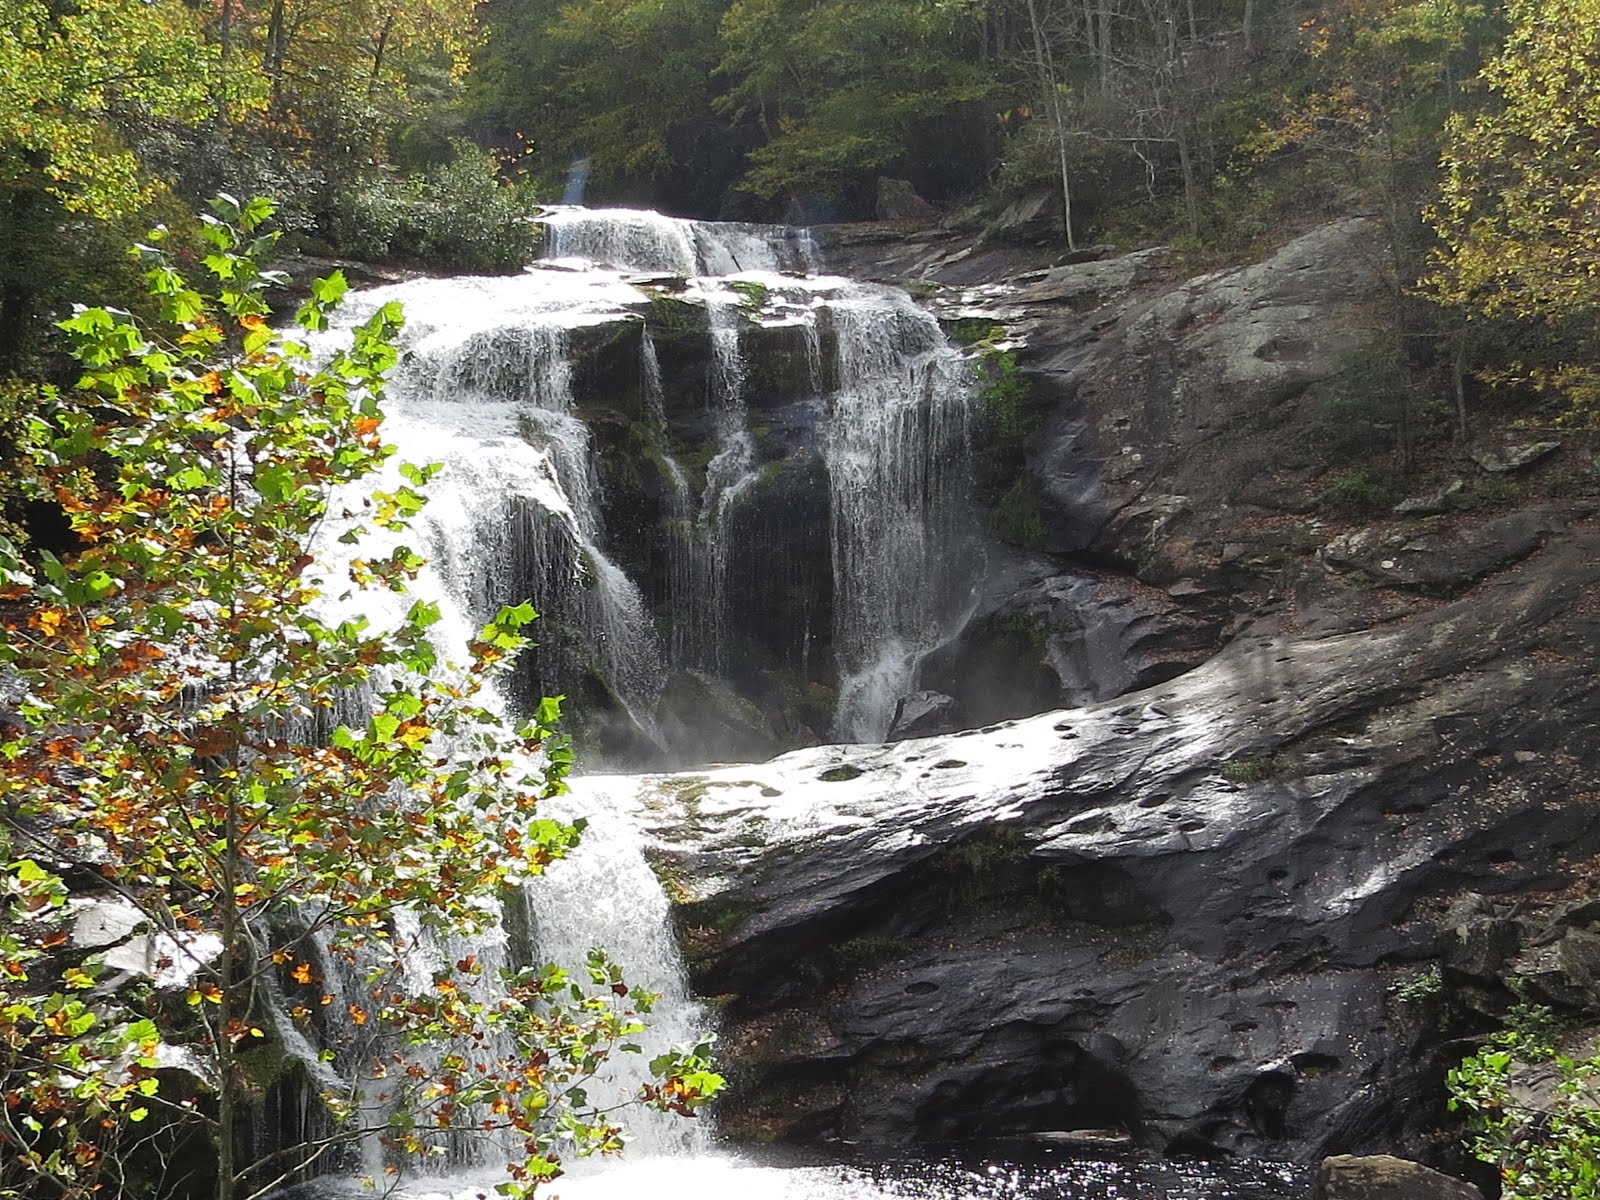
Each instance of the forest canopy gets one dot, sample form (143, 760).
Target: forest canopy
(421, 132)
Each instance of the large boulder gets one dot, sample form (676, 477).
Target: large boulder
(1185, 911)
(1382, 1177)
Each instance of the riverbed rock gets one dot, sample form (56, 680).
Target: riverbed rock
(1180, 912)
(1502, 460)
(1382, 1177)
(923, 713)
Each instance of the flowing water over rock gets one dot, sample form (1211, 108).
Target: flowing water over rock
(903, 548)
(517, 387)
(638, 240)
(737, 493)
(489, 390)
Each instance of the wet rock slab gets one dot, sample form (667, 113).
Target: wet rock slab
(1180, 913)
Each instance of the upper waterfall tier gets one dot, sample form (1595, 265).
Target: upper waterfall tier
(638, 240)
(737, 494)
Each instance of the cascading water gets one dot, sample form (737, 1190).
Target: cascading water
(893, 444)
(513, 506)
(485, 388)
(903, 550)
(489, 386)
(637, 240)
(727, 475)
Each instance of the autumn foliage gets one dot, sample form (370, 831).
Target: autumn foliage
(274, 791)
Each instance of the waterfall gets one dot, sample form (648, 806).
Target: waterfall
(894, 445)
(513, 511)
(903, 547)
(728, 474)
(497, 383)
(682, 559)
(485, 389)
(639, 240)
(605, 894)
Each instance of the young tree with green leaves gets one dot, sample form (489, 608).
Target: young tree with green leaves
(165, 679)
(1543, 1138)
(1517, 212)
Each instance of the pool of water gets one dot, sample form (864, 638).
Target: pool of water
(1004, 1173)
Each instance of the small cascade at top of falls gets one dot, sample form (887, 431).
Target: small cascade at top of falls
(639, 240)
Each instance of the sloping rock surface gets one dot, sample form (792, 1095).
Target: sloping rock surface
(1181, 913)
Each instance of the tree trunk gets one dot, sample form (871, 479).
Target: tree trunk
(1191, 187)
(1047, 80)
(224, 58)
(26, 235)
(1458, 380)
(379, 46)
(1103, 29)
(276, 52)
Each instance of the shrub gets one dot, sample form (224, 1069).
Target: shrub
(1544, 1141)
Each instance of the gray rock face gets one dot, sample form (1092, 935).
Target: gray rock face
(1180, 912)
(1553, 949)
(1087, 283)
(1188, 393)
(1044, 639)
(1448, 559)
(1380, 1177)
(924, 713)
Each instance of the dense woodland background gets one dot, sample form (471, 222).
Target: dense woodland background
(414, 130)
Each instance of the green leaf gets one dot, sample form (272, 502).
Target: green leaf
(331, 289)
(275, 482)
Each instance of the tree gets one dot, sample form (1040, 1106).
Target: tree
(841, 92)
(71, 76)
(625, 84)
(1051, 87)
(163, 672)
(1517, 209)
(64, 74)
(1517, 204)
